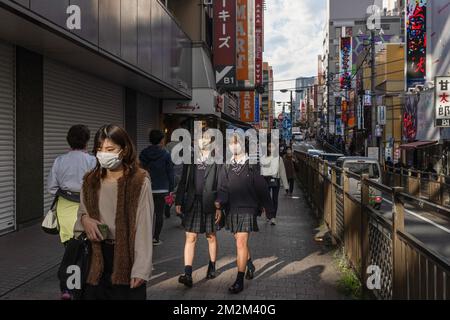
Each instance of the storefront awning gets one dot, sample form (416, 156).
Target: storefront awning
(418, 145)
(235, 123)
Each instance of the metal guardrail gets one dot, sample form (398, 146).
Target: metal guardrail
(407, 268)
(428, 186)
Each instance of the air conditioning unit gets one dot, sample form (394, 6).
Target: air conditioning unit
(419, 88)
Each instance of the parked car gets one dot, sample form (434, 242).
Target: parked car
(315, 152)
(331, 158)
(298, 137)
(361, 166)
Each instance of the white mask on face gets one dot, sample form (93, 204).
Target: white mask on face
(204, 144)
(109, 160)
(235, 149)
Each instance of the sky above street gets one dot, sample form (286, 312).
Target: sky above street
(293, 40)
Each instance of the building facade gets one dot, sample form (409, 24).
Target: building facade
(79, 62)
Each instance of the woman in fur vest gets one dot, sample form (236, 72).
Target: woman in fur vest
(116, 212)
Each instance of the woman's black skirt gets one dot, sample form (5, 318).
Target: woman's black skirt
(197, 221)
(241, 220)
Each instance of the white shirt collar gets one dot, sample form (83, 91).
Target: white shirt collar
(243, 160)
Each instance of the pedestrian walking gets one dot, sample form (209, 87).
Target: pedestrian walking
(157, 161)
(242, 192)
(66, 177)
(177, 169)
(274, 172)
(195, 198)
(64, 183)
(289, 164)
(116, 213)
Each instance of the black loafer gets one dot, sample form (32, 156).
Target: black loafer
(236, 288)
(250, 274)
(186, 280)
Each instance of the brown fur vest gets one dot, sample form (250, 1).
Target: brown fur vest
(128, 194)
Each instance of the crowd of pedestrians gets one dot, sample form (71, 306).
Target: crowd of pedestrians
(116, 201)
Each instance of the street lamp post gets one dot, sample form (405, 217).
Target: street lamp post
(292, 106)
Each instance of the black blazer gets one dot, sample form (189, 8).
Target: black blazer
(185, 195)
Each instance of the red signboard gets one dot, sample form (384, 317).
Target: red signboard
(224, 12)
(259, 34)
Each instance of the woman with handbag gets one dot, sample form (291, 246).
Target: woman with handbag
(244, 192)
(66, 176)
(273, 170)
(64, 183)
(195, 198)
(116, 213)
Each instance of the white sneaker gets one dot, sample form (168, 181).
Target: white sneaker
(157, 243)
(273, 221)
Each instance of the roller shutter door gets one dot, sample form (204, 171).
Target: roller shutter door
(7, 138)
(147, 119)
(72, 97)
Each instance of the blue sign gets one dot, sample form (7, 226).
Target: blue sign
(257, 114)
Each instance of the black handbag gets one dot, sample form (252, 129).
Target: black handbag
(75, 263)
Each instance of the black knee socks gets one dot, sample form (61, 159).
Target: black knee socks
(240, 278)
(250, 264)
(188, 270)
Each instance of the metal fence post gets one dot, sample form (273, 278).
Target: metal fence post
(326, 194)
(419, 183)
(346, 185)
(441, 189)
(365, 246)
(333, 204)
(398, 268)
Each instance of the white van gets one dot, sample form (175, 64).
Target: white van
(361, 166)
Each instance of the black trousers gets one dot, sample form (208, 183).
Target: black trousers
(106, 290)
(160, 204)
(274, 191)
(291, 185)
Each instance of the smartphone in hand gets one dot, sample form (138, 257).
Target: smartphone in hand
(104, 230)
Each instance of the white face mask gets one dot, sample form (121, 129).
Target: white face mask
(109, 160)
(235, 149)
(204, 144)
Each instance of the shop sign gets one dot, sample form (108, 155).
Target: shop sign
(204, 101)
(382, 115)
(416, 42)
(442, 101)
(224, 13)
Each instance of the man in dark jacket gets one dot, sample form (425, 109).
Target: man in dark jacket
(157, 161)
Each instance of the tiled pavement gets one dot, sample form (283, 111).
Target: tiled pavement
(290, 264)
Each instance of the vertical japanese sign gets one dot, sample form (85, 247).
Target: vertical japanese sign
(247, 99)
(242, 40)
(345, 63)
(416, 40)
(257, 109)
(247, 106)
(224, 12)
(259, 25)
(442, 102)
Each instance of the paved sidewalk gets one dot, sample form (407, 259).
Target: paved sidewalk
(290, 264)
(26, 255)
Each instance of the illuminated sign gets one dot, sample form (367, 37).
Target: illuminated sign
(416, 40)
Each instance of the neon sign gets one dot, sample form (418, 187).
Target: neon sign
(416, 18)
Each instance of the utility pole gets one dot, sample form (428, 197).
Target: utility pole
(292, 118)
(373, 143)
